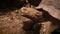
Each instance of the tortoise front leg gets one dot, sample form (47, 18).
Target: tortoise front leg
(47, 27)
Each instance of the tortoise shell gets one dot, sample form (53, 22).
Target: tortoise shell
(52, 7)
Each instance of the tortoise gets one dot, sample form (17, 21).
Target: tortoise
(51, 6)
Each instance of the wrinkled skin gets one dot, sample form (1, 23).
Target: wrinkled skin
(50, 24)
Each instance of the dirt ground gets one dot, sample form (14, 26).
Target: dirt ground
(12, 23)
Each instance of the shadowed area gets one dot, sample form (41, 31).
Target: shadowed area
(10, 4)
(7, 6)
(34, 2)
